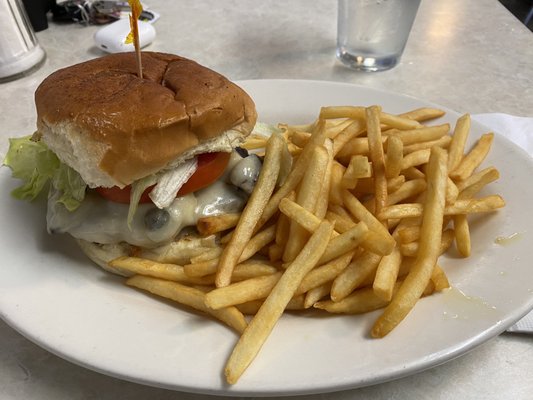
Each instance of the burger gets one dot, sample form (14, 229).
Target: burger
(132, 163)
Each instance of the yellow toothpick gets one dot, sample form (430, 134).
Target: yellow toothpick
(133, 36)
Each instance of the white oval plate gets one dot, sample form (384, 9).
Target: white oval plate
(54, 296)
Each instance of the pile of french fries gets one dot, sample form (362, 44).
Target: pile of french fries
(350, 214)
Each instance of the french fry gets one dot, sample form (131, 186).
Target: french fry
(415, 159)
(481, 205)
(474, 158)
(259, 328)
(340, 223)
(244, 270)
(462, 235)
(411, 249)
(171, 272)
(297, 303)
(283, 225)
(202, 268)
(396, 121)
(316, 230)
(405, 210)
(299, 138)
(252, 212)
(323, 196)
(341, 211)
(226, 238)
(424, 134)
(345, 242)
(423, 114)
(376, 156)
(347, 135)
(293, 179)
(387, 274)
(288, 152)
(366, 185)
(361, 301)
(324, 273)
(334, 128)
(357, 146)
(179, 252)
(393, 184)
(254, 245)
(254, 143)
(293, 151)
(452, 192)
(307, 196)
(275, 251)
(378, 239)
(302, 127)
(430, 239)
(316, 294)
(252, 269)
(241, 292)
(252, 307)
(354, 275)
(209, 225)
(306, 219)
(439, 279)
(393, 163)
(407, 190)
(409, 234)
(335, 190)
(282, 229)
(207, 255)
(188, 296)
(351, 112)
(472, 185)
(443, 142)
(257, 242)
(457, 145)
(413, 173)
(359, 167)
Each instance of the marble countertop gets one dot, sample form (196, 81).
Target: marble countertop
(469, 55)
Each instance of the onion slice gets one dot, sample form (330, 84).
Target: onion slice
(170, 182)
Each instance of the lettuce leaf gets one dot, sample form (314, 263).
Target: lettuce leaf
(71, 186)
(35, 164)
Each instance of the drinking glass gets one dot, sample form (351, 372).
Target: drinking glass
(372, 34)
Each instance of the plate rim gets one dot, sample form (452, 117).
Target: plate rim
(234, 391)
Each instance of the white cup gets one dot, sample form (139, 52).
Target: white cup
(19, 49)
(372, 34)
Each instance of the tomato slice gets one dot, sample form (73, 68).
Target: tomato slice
(118, 195)
(211, 166)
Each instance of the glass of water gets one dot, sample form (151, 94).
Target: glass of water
(373, 33)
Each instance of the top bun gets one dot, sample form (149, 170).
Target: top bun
(114, 128)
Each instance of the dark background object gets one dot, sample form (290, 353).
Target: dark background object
(521, 9)
(37, 10)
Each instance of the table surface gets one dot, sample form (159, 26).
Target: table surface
(469, 55)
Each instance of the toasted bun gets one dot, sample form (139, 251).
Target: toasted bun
(114, 128)
(102, 254)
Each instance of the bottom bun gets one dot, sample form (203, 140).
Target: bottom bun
(101, 254)
(178, 252)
